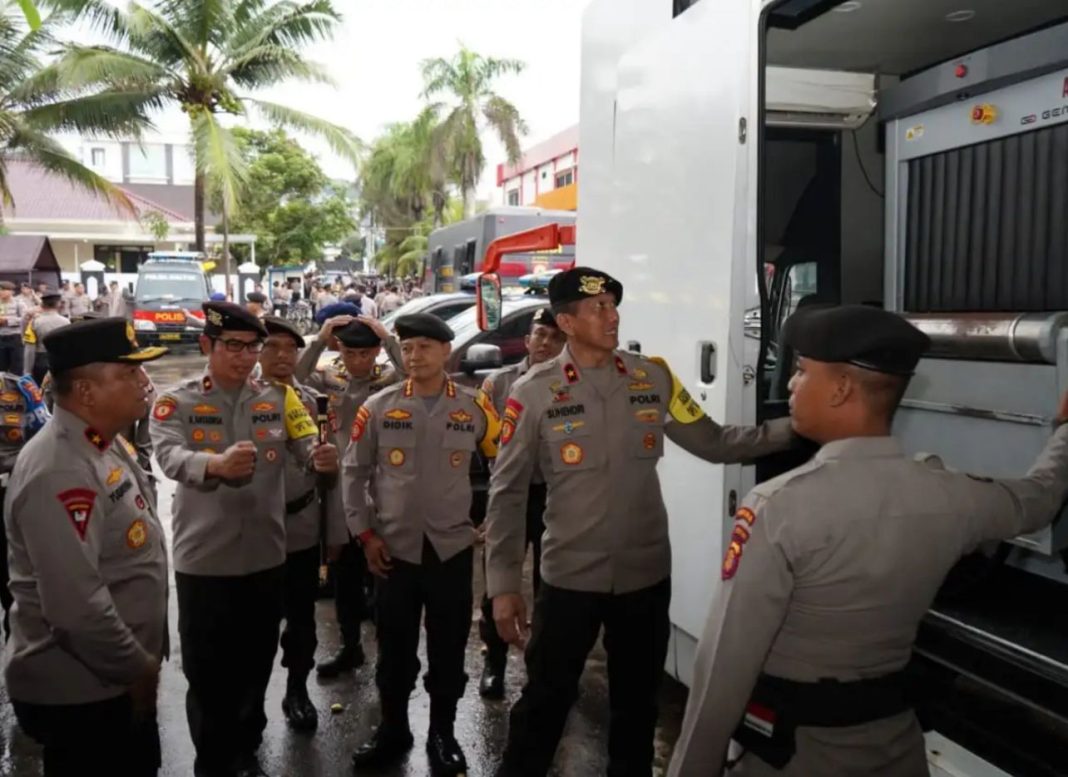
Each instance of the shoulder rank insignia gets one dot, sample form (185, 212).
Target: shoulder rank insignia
(743, 523)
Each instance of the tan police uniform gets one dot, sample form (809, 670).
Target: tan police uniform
(828, 572)
(412, 459)
(597, 436)
(35, 358)
(498, 385)
(347, 393)
(11, 315)
(229, 544)
(835, 565)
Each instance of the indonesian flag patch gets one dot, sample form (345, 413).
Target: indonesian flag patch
(78, 502)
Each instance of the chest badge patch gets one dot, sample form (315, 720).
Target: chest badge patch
(640, 385)
(271, 454)
(140, 502)
(136, 535)
(456, 458)
(460, 417)
(114, 476)
(569, 426)
(14, 435)
(743, 520)
(198, 435)
(164, 408)
(649, 441)
(396, 457)
(398, 415)
(215, 436)
(572, 454)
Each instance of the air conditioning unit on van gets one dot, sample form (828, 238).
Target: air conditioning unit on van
(819, 99)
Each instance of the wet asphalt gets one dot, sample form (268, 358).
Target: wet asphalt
(481, 727)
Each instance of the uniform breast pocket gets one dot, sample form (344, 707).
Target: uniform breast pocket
(458, 447)
(396, 453)
(568, 447)
(646, 442)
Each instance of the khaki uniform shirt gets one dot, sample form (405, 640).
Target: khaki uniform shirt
(406, 474)
(828, 573)
(498, 386)
(34, 333)
(224, 527)
(78, 305)
(346, 393)
(11, 313)
(302, 527)
(606, 525)
(88, 568)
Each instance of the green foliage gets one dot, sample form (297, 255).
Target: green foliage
(156, 224)
(287, 201)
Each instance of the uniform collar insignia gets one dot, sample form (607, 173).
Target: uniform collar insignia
(207, 384)
(409, 388)
(571, 373)
(450, 389)
(96, 439)
(377, 371)
(621, 368)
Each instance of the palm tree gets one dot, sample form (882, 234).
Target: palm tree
(36, 100)
(468, 78)
(202, 55)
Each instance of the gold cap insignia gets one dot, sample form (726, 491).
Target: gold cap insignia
(215, 317)
(131, 335)
(592, 285)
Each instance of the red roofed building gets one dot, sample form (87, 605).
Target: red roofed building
(82, 225)
(546, 176)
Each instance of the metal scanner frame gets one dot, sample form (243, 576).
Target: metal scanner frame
(984, 397)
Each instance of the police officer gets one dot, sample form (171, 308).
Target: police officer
(593, 421)
(35, 358)
(349, 380)
(88, 566)
(411, 452)
(309, 499)
(22, 415)
(544, 342)
(831, 567)
(12, 312)
(224, 438)
(256, 303)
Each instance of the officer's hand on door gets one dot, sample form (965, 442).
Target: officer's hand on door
(324, 459)
(237, 461)
(378, 558)
(510, 615)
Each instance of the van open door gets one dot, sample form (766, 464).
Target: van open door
(683, 153)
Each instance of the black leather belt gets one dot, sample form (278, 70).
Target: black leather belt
(300, 502)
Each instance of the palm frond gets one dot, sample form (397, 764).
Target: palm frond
(81, 66)
(156, 35)
(270, 63)
(33, 16)
(437, 75)
(504, 117)
(343, 142)
(100, 15)
(115, 113)
(41, 150)
(219, 159)
(287, 23)
(203, 22)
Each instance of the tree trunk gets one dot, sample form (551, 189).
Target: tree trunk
(469, 202)
(226, 245)
(198, 208)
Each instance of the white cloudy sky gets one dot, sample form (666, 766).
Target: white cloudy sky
(376, 54)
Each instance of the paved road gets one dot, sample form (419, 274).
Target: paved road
(481, 728)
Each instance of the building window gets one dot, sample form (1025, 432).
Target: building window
(148, 162)
(124, 259)
(98, 157)
(565, 178)
(513, 197)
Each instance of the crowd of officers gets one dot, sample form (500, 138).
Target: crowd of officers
(827, 573)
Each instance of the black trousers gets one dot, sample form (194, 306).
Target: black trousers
(497, 648)
(101, 737)
(443, 589)
(566, 626)
(301, 589)
(350, 597)
(11, 354)
(41, 365)
(229, 632)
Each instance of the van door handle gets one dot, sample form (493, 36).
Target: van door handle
(708, 362)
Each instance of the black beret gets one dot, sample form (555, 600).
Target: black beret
(96, 340)
(860, 335)
(579, 283)
(226, 316)
(357, 334)
(337, 309)
(51, 294)
(256, 296)
(544, 317)
(423, 325)
(279, 326)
